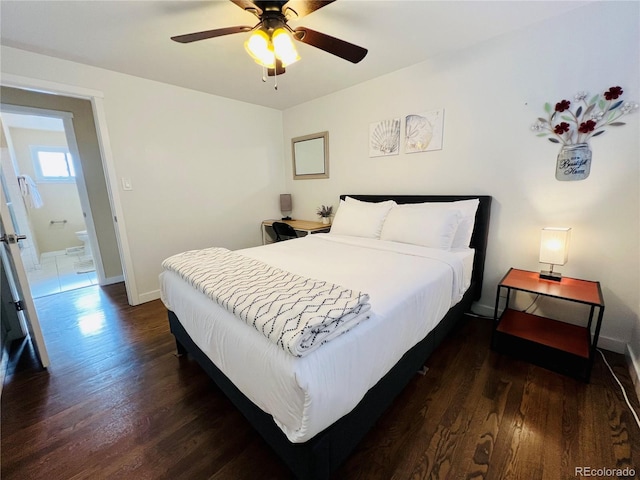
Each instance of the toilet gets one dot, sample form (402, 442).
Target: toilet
(84, 238)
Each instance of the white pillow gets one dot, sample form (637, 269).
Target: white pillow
(360, 219)
(425, 224)
(468, 209)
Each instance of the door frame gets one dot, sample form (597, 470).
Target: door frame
(97, 102)
(72, 145)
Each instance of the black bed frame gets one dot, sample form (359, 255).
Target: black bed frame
(320, 456)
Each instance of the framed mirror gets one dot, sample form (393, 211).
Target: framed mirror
(310, 156)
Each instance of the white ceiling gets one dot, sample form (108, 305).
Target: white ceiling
(133, 37)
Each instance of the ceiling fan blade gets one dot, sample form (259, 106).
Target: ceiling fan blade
(249, 6)
(218, 32)
(335, 46)
(302, 8)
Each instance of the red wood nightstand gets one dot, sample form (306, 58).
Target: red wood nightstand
(552, 344)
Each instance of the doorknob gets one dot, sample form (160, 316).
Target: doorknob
(11, 238)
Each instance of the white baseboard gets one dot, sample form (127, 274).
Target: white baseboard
(149, 296)
(612, 344)
(634, 368)
(608, 343)
(55, 253)
(483, 310)
(112, 280)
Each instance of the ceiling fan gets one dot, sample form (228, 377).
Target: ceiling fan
(270, 44)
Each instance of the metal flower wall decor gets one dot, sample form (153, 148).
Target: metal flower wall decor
(573, 126)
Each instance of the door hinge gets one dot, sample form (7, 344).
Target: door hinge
(19, 305)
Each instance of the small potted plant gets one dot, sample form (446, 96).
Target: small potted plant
(325, 212)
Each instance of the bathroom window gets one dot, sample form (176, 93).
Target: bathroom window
(53, 164)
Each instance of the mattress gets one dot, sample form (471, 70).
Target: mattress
(410, 287)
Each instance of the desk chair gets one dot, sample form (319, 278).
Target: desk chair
(283, 231)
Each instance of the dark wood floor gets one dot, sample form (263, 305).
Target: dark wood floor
(116, 403)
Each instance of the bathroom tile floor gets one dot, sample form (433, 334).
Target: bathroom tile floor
(61, 271)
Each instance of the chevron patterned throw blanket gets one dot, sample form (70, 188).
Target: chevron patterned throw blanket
(298, 314)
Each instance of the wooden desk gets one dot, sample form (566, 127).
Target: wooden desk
(305, 226)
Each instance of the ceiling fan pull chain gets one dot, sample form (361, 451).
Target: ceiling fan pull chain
(264, 73)
(275, 78)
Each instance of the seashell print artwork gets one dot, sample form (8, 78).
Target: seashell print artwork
(423, 132)
(384, 138)
(418, 132)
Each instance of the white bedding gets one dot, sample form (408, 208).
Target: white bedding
(410, 288)
(297, 313)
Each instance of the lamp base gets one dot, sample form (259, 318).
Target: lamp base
(548, 275)
(286, 218)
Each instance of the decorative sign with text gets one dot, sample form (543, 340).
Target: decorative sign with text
(574, 162)
(573, 123)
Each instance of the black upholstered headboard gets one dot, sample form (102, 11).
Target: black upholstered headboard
(480, 229)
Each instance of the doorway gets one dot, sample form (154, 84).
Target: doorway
(48, 207)
(82, 112)
(90, 125)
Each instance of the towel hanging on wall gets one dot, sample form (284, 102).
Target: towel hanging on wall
(29, 191)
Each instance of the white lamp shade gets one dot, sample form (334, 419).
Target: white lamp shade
(259, 46)
(284, 48)
(554, 245)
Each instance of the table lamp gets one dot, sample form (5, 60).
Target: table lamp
(286, 206)
(554, 250)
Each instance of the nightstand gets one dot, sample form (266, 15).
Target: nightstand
(553, 344)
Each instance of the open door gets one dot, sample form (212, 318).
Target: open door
(14, 269)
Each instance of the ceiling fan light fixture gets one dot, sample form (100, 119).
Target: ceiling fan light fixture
(259, 46)
(284, 48)
(271, 41)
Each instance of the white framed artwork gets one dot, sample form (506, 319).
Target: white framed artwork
(384, 138)
(423, 132)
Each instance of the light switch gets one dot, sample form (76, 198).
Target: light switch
(126, 183)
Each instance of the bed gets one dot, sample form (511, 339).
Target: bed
(314, 406)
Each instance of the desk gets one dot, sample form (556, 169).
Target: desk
(304, 226)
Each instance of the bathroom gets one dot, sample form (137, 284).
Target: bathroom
(46, 205)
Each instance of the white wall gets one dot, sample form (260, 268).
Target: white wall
(205, 170)
(492, 94)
